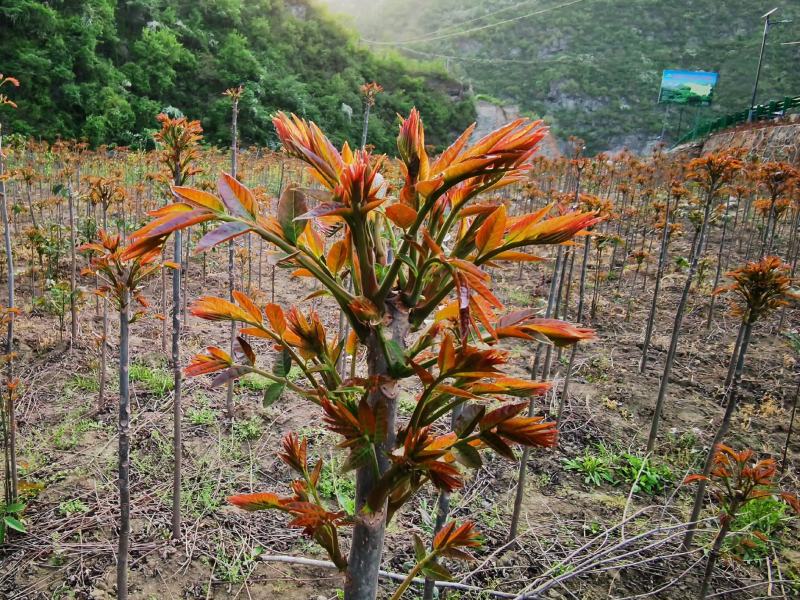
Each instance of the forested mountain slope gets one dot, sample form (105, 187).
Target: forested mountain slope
(593, 66)
(102, 69)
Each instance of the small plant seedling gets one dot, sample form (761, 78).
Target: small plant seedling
(73, 506)
(10, 520)
(155, 380)
(247, 430)
(596, 470)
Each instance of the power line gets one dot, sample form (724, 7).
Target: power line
(481, 17)
(490, 60)
(432, 38)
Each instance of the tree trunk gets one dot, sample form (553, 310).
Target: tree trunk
(676, 328)
(234, 150)
(73, 307)
(747, 327)
(442, 511)
(101, 392)
(365, 128)
(11, 420)
(177, 413)
(164, 311)
(124, 451)
(552, 306)
(361, 582)
(719, 266)
(30, 206)
(791, 428)
(651, 317)
(579, 318)
(714, 555)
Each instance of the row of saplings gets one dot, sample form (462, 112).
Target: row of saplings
(437, 291)
(455, 359)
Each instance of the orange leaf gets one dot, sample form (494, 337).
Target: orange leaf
(198, 198)
(302, 273)
(490, 234)
(276, 318)
(516, 256)
(236, 197)
(401, 215)
(261, 501)
(246, 303)
(218, 309)
(337, 256)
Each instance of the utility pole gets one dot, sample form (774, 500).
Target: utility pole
(767, 24)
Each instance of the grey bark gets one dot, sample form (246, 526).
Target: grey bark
(124, 450)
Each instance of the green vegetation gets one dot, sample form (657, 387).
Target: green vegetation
(155, 380)
(338, 486)
(84, 383)
(603, 465)
(202, 414)
(71, 507)
(70, 433)
(595, 468)
(594, 67)
(248, 430)
(102, 70)
(10, 519)
(758, 524)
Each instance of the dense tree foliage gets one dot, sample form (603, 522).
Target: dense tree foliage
(102, 69)
(593, 67)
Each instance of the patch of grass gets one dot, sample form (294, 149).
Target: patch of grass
(247, 430)
(155, 380)
(756, 529)
(71, 507)
(335, 485)
(406, 404)
(238, 567)
(596, 469)
(154, 457)
(202, 414)
(84, 383)
(70, 433)
(519, 297)
(683, 451)
(254, 382)
(651, 477)
(599, 367)
(200, 495)
(604, 465)
(258, 383)
(313, 434)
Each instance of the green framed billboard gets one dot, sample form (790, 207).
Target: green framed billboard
(687, 87)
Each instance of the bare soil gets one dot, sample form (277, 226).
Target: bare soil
(69, 450)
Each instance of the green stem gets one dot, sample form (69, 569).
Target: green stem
(411, 575)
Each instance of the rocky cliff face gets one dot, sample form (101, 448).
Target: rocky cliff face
(490, 116)
(779, 140)
(769, 142)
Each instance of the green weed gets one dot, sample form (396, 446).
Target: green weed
(72, 507)
(756, 528)
(642, 474)
(247, 430)
(155, 380)
(335, 485)
(596, 469)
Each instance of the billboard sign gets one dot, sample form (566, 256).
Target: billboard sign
(687, 87)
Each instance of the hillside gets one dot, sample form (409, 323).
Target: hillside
(593, 67)
(102, 69)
